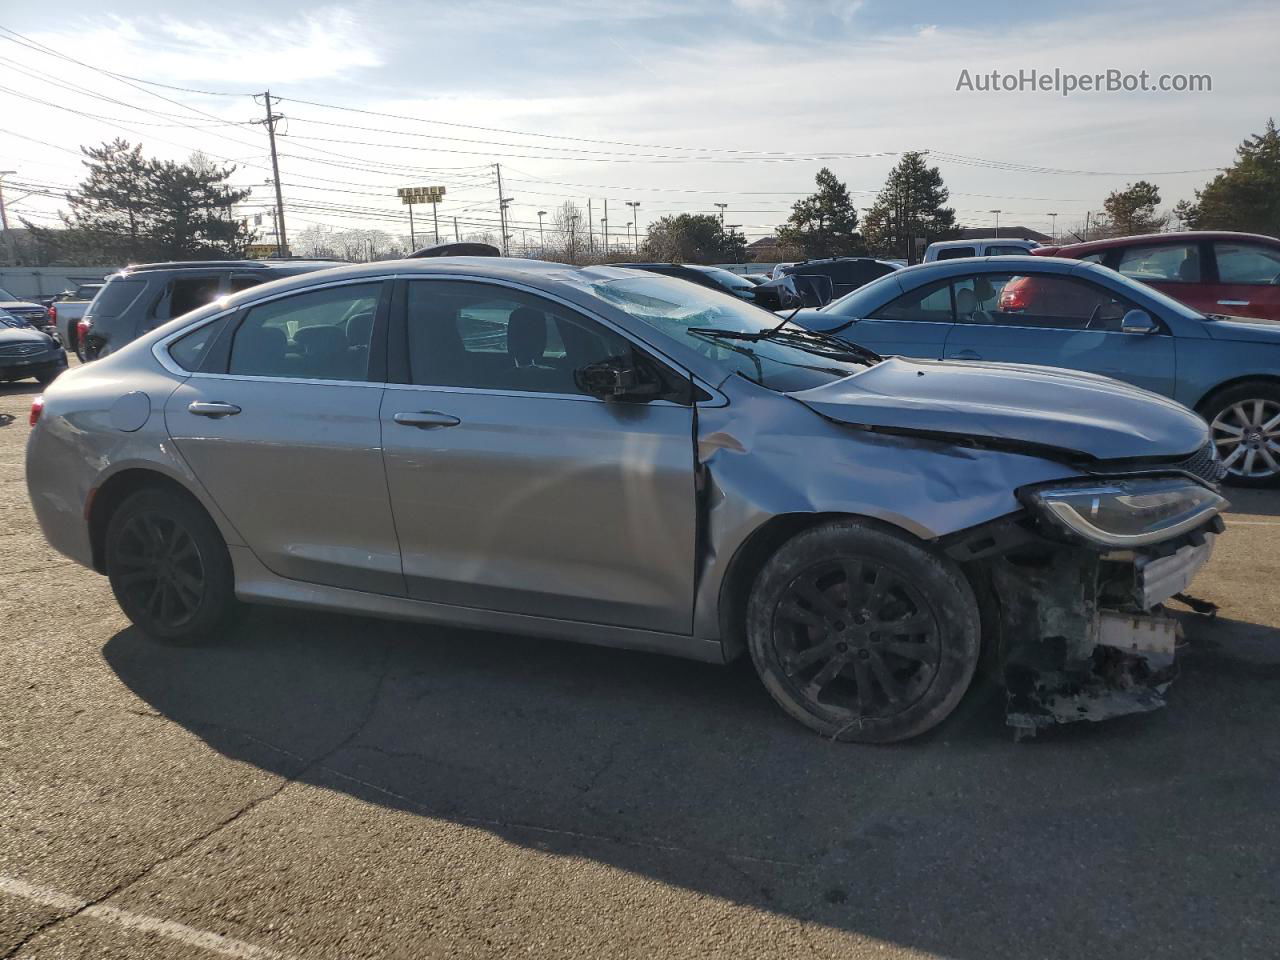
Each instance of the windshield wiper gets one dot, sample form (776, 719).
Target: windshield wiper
(800, 338)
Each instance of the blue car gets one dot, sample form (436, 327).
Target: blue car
(1067, 313)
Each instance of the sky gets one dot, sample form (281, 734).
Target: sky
(676, 106)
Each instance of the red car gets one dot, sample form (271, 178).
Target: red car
(1237, 274)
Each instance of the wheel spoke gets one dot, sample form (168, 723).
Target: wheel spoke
(1241, 415)
(855, 585)
(1270, 460)
(1230, 428)
(1271, 424)
(809, 656)
(885, 677)
(135, 577)
(188, 588)
(790, 610)
(826, 675)
(1249, 457)
(862, 677)
(817, 600)
(917, 652)
(914, 623)
(1233, 456)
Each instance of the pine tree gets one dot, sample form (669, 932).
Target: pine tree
(909, 211)
(823, 224)
(1246, 196)
(1133, 209)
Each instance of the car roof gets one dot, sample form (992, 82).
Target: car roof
(268, 264)
(1181, 236)
(938, 269)
(944, 244)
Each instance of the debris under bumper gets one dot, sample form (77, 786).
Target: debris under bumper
(1081, 633)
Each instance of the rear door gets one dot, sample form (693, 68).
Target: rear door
(916, 324)
(1056, 321)
(280, 424)
(1246, 277)
(512, 489)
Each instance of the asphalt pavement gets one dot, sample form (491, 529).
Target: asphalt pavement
(320, 786)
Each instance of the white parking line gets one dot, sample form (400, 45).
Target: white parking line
(1252, 523)
(190, 936)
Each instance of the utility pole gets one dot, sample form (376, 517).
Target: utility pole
(1053, 229)
(721, 206)
(542, 244)
(502, 210)
(456, 238)
(591, 230)
(4, 217)
(413, 237)
(282, 242)
(606, 226)
(435, 219)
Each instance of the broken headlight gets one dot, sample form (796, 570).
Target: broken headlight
(1128, 513)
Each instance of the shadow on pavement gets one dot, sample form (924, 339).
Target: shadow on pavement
(1089, 841)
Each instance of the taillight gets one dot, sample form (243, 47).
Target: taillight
(53, 313)
(1014, 297)
(37, 408)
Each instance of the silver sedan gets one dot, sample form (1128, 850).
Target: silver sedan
(631, 460)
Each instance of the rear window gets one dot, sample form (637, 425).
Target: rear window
(1001, 250)
(955, 253)
(117, 296)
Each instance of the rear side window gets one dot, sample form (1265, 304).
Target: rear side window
(1167, 262)
(320, 335)
(117, 296)
(189, 352)
(955, 253)
(186, 294)
(244, 283)
(928, 304)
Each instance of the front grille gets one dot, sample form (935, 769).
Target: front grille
(22, 349)
(1204, 463)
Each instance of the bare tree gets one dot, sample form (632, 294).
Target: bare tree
(567, 229)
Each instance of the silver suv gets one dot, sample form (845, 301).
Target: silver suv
(142, 297)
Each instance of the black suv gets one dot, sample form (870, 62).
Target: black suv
(717, 278)
(846, 273)
(140, 298)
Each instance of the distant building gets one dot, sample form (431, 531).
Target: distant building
(764, 250)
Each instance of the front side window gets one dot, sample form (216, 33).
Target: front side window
(698, 319)
(1247, 263)
(320, 335)
(1039, 300)
(488, 337)
(1164, 262)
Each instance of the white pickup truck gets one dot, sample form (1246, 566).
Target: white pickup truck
(67, 309)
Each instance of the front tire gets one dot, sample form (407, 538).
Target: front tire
(1245, 423)
(169, 567)
(863, 634)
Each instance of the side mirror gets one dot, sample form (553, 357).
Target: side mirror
(615, 378)
(1138, 321)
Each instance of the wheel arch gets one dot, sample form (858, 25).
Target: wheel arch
(117, 488)
(1201, 405)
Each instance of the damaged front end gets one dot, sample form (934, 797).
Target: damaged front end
(1077, 584)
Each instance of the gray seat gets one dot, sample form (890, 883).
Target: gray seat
(260, 352)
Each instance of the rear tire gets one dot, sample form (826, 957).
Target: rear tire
(1245, 423)
(863, 634)
(169, 567)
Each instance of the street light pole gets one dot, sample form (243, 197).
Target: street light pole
(4, 216)
(635, 221)
(997, 213)
(1053, 229)
(721, 206)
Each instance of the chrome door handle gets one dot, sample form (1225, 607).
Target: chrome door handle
(965, 355)
(213, 409)
(1233, 303)
(426, 420)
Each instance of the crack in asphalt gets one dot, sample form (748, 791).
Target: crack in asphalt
(316, 763)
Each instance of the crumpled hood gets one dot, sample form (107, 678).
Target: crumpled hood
(1040, 406)
(1251, 329)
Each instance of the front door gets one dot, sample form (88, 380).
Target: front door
(915, 324)
(513, 490)
(1056, 321)
(281, 427)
